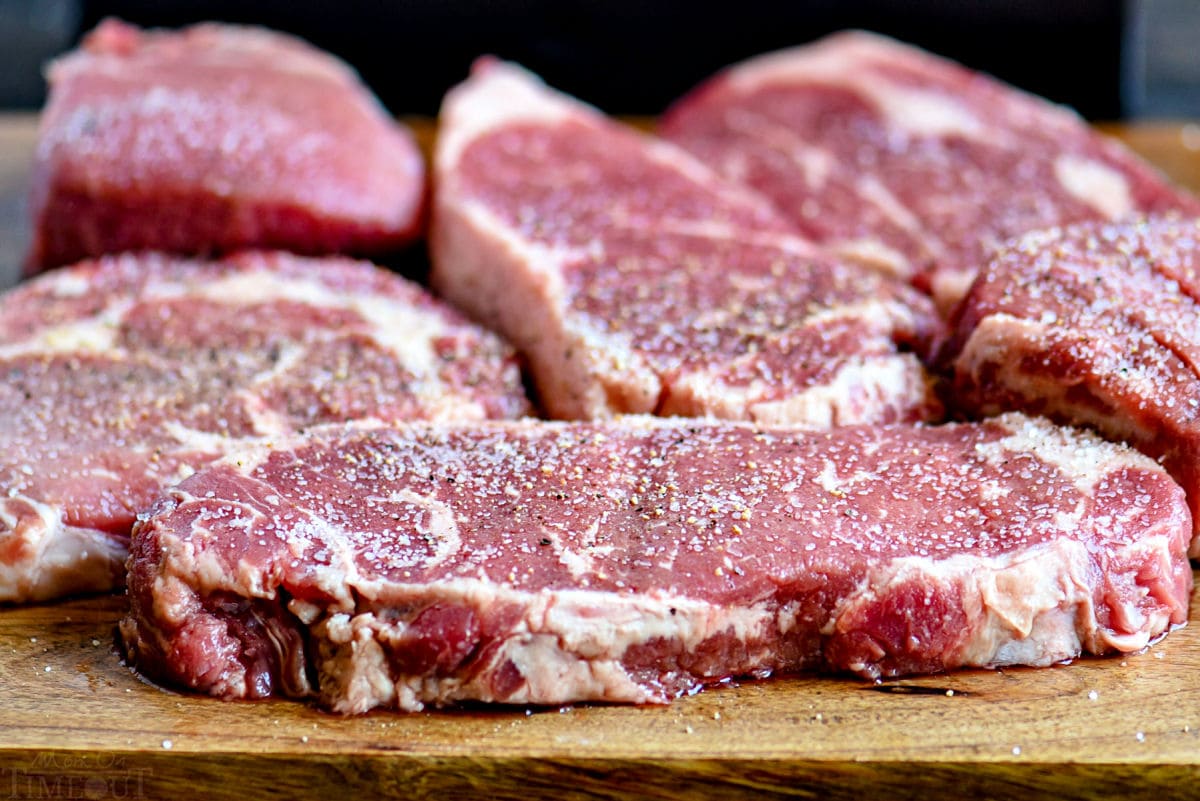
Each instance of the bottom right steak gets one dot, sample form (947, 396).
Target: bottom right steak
(1094, 324)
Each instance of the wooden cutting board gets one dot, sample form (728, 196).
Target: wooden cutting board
(75, 723)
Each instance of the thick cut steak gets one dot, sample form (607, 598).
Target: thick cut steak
(1096, 324)
(121, 376)
(636, 280)
(903, 160)
(215, 138)
(634, 560)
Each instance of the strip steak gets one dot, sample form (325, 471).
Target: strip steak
(632, 561)
(1095, 324)
(121, 376)
(635, 280)
(215, 138)
(904, 160)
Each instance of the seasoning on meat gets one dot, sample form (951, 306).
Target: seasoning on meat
(635, 280)
(634, 560)
(121, 376)
(903, 160)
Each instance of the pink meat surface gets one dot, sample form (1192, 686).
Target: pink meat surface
(635, 280)
(215, 138)
(1095, 324)
(902, 160)
(635, 560)
(121, 376)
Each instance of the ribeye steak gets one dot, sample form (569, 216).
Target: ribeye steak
(214, 138)
(636, 280)
(1095, 324)
(904, 160)
(633, 560)
(121, 376)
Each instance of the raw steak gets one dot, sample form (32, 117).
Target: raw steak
(898, 158)
(1096, 324)
(215, 138)
(121, 376)
(634, 560)
(635, 280)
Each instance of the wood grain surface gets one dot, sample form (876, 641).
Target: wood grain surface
(76, 723)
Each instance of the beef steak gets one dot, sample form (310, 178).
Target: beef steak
(634, 560)
(898, 158)
(1095, 324)
(635, 280)
(121, 376)
(214, 138)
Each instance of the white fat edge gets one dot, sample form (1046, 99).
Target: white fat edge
(847, 62)
(401, 327)
(787, 243)
(68, 284)
(97, 334)
(564, 649)
(815, 163)
(290, 355)
(441, 525)
(221, 444)
(882, 315)
(1033, 606)
(545, 262)
(1025, 605)
(891, 380)
(1081, 456)
(501, 95)
(874, 254)
(59, 559)
(611, 359)
(1000, 338)
(354, 675)
(553, 675)
(873, 191)
(570, 615)
(895, 381)
(578, 563)
(948, 286)
(1096, 184)
(684, 163)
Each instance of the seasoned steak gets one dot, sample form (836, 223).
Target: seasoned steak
(1095, 324)
(635, 280)
(635, 560)
(906, 161)
(121, 376)
(215, 138)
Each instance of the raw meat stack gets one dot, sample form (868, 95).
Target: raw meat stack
(749, 478)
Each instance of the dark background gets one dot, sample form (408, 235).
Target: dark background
(630, 57)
